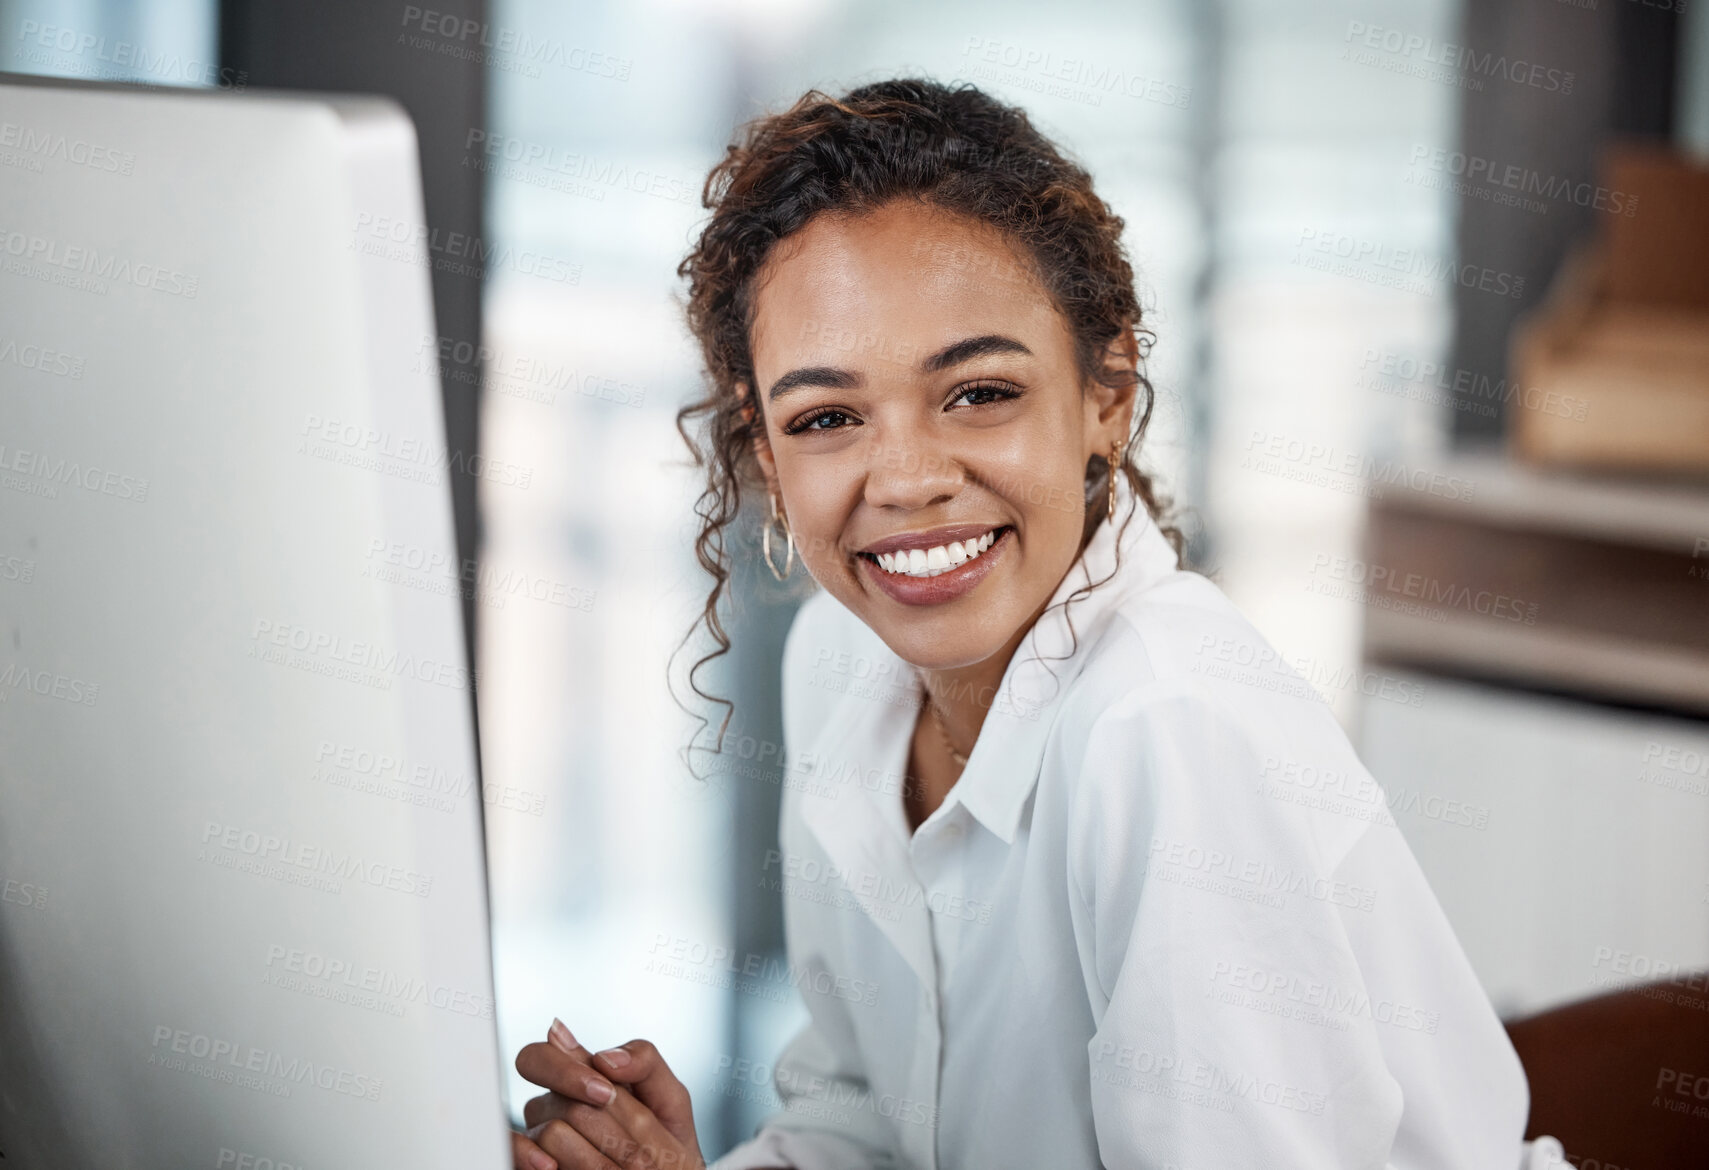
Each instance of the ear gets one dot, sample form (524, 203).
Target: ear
(761, 442)
(1109, 409)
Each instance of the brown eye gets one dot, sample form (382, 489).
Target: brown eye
(815, 420)
(985, 393)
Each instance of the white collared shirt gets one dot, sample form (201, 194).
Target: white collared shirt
(1162, 919)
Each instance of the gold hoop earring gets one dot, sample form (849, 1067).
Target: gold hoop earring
(765, 542)
(1116, 450)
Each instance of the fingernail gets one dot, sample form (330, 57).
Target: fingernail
(601, 1092)
(560, 1036)
(614, 1057)
(540, 1161)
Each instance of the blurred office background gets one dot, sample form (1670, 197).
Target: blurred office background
(1324, 214)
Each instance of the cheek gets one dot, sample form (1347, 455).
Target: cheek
(1042, 476)
(816, 497)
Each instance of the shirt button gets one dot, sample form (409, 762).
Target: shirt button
(952, 831)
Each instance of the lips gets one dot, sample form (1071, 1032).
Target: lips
(923, 569)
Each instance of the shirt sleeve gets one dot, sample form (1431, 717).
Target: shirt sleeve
(1273, 985)
(827, 1122)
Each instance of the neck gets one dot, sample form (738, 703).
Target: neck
(964, 695)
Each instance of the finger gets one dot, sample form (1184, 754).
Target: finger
(606, 1132)
(560, 1037)
(638, 1065)
(563, 1039)
(570, 1149)
(624, 1119)
(544, 1108)
(625, 1131)
(548, 1066)
(645, 1140)
(525, 1155)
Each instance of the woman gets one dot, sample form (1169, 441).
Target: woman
(1064, 849)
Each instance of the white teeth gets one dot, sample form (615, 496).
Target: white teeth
(929, 562)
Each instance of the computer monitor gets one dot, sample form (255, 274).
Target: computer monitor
(243, 918)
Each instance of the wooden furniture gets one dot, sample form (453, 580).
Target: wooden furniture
(1622, 1080)
(1547, 580)
(1612, 370)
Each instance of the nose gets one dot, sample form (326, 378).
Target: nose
(911, 471)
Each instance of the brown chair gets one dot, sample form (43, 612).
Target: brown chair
(1622, 1080)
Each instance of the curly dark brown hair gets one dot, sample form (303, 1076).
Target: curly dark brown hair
(953, 147)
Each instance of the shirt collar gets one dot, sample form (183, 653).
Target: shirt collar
(1004, 765)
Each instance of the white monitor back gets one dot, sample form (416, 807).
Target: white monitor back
(243, 915)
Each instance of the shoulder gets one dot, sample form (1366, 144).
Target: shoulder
(1185, 720)
(828, 655)
(822, 630)
(1162, 655)
(843, 689)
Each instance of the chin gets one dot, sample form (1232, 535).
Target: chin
(940, 644)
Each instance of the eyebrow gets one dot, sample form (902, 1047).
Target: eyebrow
(836, 378)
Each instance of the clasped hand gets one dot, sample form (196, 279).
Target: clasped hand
(620, 1108)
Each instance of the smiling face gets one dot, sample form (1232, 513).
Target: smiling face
(926, 429)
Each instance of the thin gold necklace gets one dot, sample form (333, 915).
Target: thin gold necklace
(960, 758)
